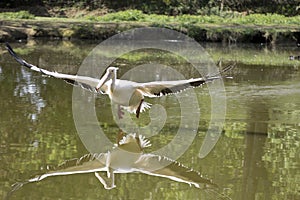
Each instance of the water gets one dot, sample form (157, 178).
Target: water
(256, 157)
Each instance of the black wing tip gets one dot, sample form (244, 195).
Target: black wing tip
(7, 45)
(13, 53)
(16, 57)
(179, 88)
(10, 49)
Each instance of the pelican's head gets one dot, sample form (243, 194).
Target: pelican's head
(111, 73)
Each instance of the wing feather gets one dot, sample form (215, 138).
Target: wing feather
(159, 88)
(82, 81)
(88, 163)
(85, 164)
(164, 167)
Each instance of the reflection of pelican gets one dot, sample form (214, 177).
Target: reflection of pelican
(127, 94)
(126, 157)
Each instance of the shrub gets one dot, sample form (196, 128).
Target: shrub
(128, 15)
(17, 15)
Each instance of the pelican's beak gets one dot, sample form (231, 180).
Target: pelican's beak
(107, 76)
(102, 81)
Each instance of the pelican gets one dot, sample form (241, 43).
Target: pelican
(127, 156)
(127, 94)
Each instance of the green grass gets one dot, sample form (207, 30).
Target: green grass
(139, 16)
(16, 15)
(253, 56)
(235, 27)
(243, 55)
(253, 19)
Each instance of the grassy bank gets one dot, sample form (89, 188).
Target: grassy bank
(227, 27)
(223, 18)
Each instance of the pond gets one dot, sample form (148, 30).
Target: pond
(256, 157)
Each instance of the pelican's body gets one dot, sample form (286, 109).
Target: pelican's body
(128, 94)
(123, 92)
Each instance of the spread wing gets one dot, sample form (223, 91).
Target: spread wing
(82, 81)
(159, 88)
(164, 167)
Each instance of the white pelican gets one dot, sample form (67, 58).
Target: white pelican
(126, 157)
(128, 94)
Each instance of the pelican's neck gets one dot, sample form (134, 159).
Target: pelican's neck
(113, 83)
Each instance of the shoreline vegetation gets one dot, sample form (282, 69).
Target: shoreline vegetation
(229, 27)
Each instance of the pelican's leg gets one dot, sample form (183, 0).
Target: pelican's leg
(120, 137)
(138, 110)
(120, 112)
(108, 183)
(138, 140)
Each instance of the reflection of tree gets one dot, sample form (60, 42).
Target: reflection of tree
(36, 120)
(255, 175)
(30, 90)
(270, 122)
(282, 159)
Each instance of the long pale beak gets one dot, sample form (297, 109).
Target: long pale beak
(103, 80)
(110, 73)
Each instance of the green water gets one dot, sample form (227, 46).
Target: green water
(256, 157)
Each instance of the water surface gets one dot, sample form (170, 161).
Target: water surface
(257, 156)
